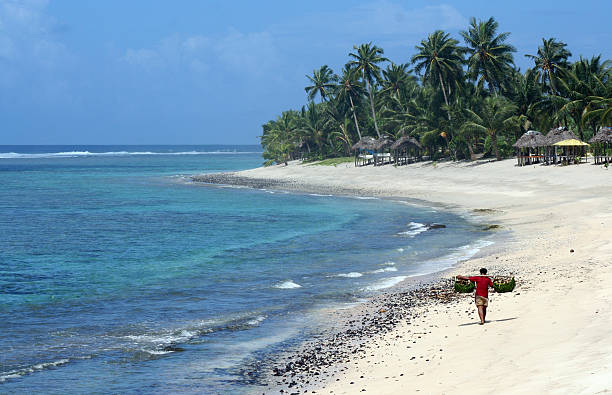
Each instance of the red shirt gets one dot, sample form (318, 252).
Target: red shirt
(482, 285)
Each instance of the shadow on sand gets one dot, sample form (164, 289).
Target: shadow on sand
(489, 321)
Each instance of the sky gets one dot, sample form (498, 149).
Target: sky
(214, 71)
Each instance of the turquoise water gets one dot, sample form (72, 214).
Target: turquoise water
(118, 275)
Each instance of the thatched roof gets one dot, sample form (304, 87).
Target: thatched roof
(531, 139)
(559, 134)
(366, 142)
(603, 136)
(383, 142)
(406, 140)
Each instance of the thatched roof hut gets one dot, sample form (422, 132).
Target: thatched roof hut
(406, 140)
(531, 139)
(603, 136)
(383, 143)
(366, 142)
(559, 134)
(601, 141)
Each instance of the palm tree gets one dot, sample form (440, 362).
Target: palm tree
(550, 60)
(586, 79)
(490, 58)
(495, 116)
(349, 87)
(601, 111)
(440, 58)
(278, 139)
(396, 80)
(526, 94)
(313, 125)
(366, 61)
(338, 123)
(322, 81)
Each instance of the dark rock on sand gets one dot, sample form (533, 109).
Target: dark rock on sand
(173, 348)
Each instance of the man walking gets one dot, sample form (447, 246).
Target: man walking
(482, 292)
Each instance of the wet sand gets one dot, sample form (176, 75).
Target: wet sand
(550, 335)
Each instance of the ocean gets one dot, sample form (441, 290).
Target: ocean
(120, 275)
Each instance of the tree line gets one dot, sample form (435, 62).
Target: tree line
(460, 101)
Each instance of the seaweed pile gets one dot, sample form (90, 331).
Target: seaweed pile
(503, 284)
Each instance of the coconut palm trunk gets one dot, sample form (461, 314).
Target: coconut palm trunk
(445, 98)
(372, 107)
(495, 148)
(552, 84)
(355, 117)
(471, 149)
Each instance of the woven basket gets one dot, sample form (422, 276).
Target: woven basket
(464, 286)
(503, 284)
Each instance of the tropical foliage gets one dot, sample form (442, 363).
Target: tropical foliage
(460, 101)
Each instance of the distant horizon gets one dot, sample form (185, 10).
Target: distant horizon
(134, 145)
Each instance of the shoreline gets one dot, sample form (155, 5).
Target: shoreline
(300, 368)
(529, 202)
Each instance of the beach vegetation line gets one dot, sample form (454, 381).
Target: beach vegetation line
(458, 97)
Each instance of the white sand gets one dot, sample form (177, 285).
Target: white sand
(551, 335)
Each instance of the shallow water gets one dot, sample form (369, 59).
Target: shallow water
(119, 275)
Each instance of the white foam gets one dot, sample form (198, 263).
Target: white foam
(74, 154)
(9, 376)
(350, 275)
(400, 250)
(383, 270)
(414, 229)
(39, 366)
(386, 283)
(157, 352)
(164, 338)
(365, 197)
(287, 285)
(317, 194)
(257, 320)
(389, 263)
(459, 254)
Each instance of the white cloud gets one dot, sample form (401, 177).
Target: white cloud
(26, 35)
(385, 22)
(35, 65)
(145, 58)
(253, 53)
(264, 52)
(384, 17)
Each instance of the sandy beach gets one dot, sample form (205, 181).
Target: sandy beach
(551, 335)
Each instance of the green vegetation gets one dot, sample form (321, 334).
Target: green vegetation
(460, 102)
(504, 284)
(334, 161)
(464, 286)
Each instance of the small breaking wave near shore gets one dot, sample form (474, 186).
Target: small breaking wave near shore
(14, 374)
(287, 285)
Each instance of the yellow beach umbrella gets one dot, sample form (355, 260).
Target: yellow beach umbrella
(570, 143)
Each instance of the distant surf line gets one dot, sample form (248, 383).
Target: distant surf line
(76, 154)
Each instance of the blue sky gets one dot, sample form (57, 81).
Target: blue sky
(212, 72)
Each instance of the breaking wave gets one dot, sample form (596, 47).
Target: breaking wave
(13, 374)
(287, 285)
(75, 154)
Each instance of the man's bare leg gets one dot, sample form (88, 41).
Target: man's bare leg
(481, 313)
(484, 313)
